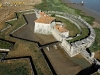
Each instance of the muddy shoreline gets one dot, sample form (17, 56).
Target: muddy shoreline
(87, 11)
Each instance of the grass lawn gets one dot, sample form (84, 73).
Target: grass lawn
(1, 56)
(17, 67)
(96, 44)
(84, 34)
(5, 44)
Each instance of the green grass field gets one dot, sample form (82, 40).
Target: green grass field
(15, 68)
(5, 44)
(1, 56)
(84, 34)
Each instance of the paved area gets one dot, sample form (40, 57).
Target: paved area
(61, 63)
(27, 32)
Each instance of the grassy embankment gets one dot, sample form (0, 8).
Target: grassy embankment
(19, 67)
(5, 44)
(84, 34)
(1, 55)
(26, 48)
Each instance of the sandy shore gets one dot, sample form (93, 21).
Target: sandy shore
(87, 11)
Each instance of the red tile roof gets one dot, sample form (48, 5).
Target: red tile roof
(45, 18)
(60, 28)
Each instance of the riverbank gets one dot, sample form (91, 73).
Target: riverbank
(85, 10)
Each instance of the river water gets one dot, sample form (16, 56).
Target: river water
(93, 5)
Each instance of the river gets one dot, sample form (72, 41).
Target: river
(93, 5)
(90, 7)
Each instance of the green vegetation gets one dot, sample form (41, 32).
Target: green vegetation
(54, 5)
(5, 44)
(1, 56)
(84, 34)
(59, 5)
(26, 48)
(96, 44)
(19, 22)
(53, 15)
(69, 25)
(14, 68)
(89, 19)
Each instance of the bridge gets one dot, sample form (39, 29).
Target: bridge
(49, 44)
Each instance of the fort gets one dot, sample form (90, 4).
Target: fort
(76, 47)
(71, 48)
(47, 25)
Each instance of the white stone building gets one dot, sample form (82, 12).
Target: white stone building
(44, 23)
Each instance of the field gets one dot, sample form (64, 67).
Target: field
(1, 56)
(84, 34)
(19, 67)
(5, 44)
(26, 48)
